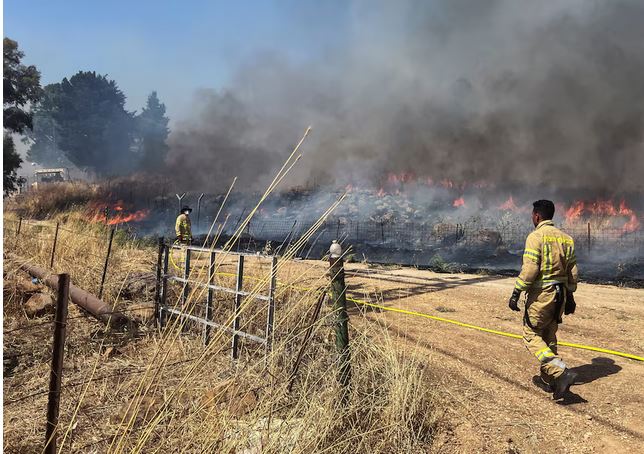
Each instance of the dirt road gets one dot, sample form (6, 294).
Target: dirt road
(487, 379)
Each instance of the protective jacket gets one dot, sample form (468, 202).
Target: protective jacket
(548, 259)
(548, 262)
(183, 228)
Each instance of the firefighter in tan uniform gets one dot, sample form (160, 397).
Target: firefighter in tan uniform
(183, 227)
(549, 276)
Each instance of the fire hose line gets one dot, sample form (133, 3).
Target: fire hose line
(456, 322)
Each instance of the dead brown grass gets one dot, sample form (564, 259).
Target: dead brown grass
(178, 407)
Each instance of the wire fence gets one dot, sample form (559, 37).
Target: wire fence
(55, 246)
(415, 236)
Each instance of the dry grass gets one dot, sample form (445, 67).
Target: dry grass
(163, 391)
(47, 200)
(187, 397)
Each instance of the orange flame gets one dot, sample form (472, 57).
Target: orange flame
(509, 205)
(603, 208)
(116, 213)
(458, 202)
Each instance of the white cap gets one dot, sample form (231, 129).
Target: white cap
(335, 250)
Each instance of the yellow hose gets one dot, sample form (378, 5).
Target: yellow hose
(464, 325)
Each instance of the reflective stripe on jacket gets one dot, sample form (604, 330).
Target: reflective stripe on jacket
(182, 227)
(548, 259)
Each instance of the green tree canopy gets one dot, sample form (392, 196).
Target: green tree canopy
(92, 126)
(152, 126)
(44, 142)
(21, 85)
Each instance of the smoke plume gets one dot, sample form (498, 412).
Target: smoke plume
(543, 94)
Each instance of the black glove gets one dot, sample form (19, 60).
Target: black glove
(514, 300)
(570, 306)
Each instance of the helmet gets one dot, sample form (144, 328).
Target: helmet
(186, 208)
(335, 250)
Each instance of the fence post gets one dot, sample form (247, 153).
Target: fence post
(53, 248)
(238, 300)
(157, 288)
(18, 232)
(270, 318)
(588, 237)
(186, 276)
(107, 259)
(55, 378)
(164, 284)
(339, 298)
(199, 209)
(209, 298)
(382, 231)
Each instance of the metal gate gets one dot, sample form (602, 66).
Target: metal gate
(187, 254)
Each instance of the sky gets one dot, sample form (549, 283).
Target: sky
(172, 47)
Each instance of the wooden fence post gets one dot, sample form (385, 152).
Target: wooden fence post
(238, 301)
(270, 318)
(53, 248)
(55, 380)
(339, 298)
(157, 288)
(107, 259)
(167, 249)
(588, 237)
(18, 232)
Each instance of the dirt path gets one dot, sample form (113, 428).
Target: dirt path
(487, 379)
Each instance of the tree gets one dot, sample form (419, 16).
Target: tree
(21, 85)
(152, 126)
(44, 143)
(91, 124)
(11, 162)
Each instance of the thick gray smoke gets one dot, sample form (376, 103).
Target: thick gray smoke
(508, 92)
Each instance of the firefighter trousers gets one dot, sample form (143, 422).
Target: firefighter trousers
(541, 338)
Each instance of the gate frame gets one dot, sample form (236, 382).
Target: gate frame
(164, 278)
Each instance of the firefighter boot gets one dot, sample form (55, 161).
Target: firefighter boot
(563, 383)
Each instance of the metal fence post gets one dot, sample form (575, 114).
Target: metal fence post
(157, 288)
(270, 318)
(55, 378)
(180, 197)
(107, 259)
(199, 209)
(53, 248)
(238, 300)
(209, 298)
(186, 276)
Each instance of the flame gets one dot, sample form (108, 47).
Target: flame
(117, 213)
(458, 202)
(402, 177)
(509, 205)
(603, 209)
(381, 192)
(120, 218)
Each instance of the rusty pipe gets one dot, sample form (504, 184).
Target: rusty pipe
(97, 308)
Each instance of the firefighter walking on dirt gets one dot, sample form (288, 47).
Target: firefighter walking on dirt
(549, 277)
(182, 226)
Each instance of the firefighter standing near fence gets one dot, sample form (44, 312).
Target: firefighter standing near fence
(182, 226)
(549, 276)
